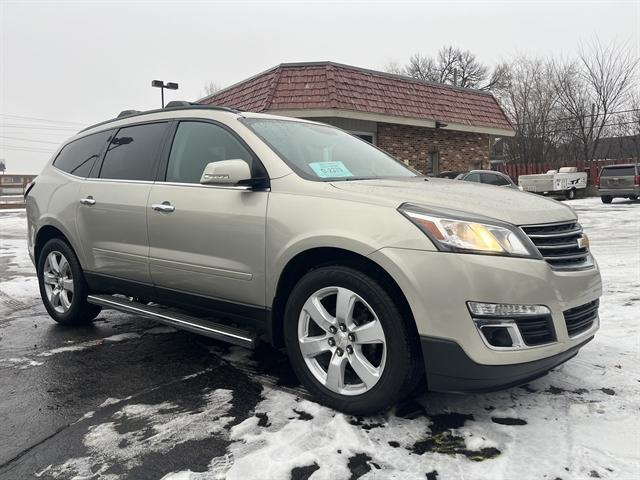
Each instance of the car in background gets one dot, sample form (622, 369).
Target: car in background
(488, 177)
(619, 181)
(452, 175)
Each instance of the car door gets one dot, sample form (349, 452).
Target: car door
(205, 240)
(112, 215)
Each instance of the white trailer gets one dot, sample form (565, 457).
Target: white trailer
(567, 181)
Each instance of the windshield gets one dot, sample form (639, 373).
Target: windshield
(321, 153)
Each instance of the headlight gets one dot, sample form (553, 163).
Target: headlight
(467, 235)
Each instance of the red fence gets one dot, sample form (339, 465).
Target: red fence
(514, 170)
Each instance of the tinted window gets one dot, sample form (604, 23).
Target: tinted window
(492, 179)
(618, 171)
(195, 145)
(132, 153)
(472, 177)
(78, 157)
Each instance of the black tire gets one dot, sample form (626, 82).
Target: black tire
(570, 194)
(633, 197)
(404, 365)
(606, 199)
(79, 311)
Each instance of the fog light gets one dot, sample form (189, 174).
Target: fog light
(497, 336)
(479, 309)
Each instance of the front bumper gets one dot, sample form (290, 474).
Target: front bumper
(619, 192)
(449, 368)
(437, 286)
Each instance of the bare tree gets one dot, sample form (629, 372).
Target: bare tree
(529, 99)
(453, 66)
(593, 87)
(210, 88)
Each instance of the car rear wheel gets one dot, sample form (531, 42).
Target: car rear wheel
(348, 343)
(606, 199)
(62, 285)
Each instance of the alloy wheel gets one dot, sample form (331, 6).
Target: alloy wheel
(58, 281)
(342, 341)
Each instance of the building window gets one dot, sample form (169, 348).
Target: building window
(366, 136)
(434, 163)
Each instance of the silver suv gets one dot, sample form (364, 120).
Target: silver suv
(619, 181)
(248, 227)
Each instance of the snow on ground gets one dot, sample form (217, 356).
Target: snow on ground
(580, 421)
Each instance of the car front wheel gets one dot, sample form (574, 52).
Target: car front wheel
(606, 199)
(348, 343)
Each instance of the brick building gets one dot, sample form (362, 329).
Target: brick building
(430, 126)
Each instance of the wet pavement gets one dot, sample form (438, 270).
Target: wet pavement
(129, 398)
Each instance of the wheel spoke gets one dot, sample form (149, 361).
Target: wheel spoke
(370, 332)
(335, 372)
(313, 346)
(63, 264)
(55, 298)
(363, 368)
(49, 278)
(318, 313)
(53, 262)
(64, 300)
(345, 300)
(68, 284)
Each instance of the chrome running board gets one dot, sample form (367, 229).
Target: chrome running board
(179, 320)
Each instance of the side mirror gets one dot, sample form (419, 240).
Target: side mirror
(225, 172)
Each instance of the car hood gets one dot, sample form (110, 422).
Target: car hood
(505, 204)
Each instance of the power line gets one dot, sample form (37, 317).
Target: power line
(29, 140)
(595, 115)
(36, 127)
(43, 119)
(24, 149)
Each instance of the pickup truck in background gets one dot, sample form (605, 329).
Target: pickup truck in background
(566, 181)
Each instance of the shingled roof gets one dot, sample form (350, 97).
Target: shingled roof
(326, 88)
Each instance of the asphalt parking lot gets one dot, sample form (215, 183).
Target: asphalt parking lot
(128, 398)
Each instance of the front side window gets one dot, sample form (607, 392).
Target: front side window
(322, 153)
(198, 143)
(78, 157)
(132, 153)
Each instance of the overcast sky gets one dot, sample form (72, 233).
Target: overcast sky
(84, 62)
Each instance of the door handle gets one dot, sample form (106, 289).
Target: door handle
(165, 207)
(88, 201)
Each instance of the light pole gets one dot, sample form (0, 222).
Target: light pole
(161, 85)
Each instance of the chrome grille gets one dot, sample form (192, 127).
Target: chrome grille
(579, 319)
(559, 244)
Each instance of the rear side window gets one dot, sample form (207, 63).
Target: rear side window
(198, 143)
(78, 157)
(132, 153)
(492, 179)
(472, 177)
(627, 171)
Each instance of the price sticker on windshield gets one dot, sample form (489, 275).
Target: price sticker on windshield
(330, 169)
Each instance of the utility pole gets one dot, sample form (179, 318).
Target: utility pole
(161, 85)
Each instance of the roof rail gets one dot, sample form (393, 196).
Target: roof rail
(173, 105)
(127, 113)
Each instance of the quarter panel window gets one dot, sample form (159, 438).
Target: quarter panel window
(132, 153)
(198, 143)
(78, 157)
